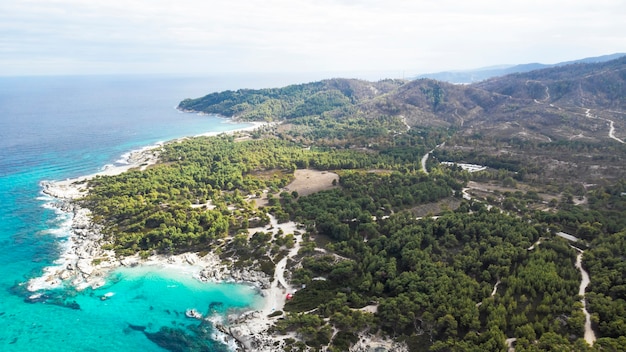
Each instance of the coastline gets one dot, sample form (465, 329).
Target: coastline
(83, 263)
(83, 244)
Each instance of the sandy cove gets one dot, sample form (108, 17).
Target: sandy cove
(84, 264)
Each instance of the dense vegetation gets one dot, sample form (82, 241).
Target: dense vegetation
(482, 271)
(432, 279)
(270, 104)
(152, 210)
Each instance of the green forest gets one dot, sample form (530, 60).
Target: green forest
(467, 275)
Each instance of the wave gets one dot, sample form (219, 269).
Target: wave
(63, 227)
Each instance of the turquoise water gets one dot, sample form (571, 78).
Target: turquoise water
(52, 128)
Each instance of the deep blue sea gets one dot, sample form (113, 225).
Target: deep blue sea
(53, 128)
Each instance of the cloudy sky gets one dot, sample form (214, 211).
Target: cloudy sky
(213, 36)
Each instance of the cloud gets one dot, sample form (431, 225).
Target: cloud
(281, 35)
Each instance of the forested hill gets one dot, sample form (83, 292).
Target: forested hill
(291, 101)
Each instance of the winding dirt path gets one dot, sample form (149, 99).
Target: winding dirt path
(612, 132)
(408, 127)
(546, 98)
(590, 335)
(425, 157)
(495, 288)
(611, 125)
(509, 343)
(535, 244)
(493, 293)
(276, 294)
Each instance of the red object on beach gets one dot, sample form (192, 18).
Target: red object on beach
(289, 296)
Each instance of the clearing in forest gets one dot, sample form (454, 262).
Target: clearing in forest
(307, 181)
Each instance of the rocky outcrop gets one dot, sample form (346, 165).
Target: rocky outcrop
(371, 343)
(223, 273)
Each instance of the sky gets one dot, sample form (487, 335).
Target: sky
(395, 37)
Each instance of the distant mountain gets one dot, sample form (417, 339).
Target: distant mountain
(599, 86)
(480, 74)
(546, 104)
(562, 122)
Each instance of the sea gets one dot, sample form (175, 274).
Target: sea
(59, 127)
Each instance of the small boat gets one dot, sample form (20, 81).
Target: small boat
(193, 313)
(106, 296)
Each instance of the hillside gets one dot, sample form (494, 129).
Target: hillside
(543, 105)
(567, 122)
(291, 101)
(598, 85)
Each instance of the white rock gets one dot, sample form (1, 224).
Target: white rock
(84, 265)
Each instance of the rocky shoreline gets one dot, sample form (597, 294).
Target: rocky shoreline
(85, 264)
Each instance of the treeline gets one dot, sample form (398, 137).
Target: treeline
(603, 215)
(472, 157)
(353, 131)
(351, 211)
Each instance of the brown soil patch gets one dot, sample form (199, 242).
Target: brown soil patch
(308, 181)
(305, 182)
